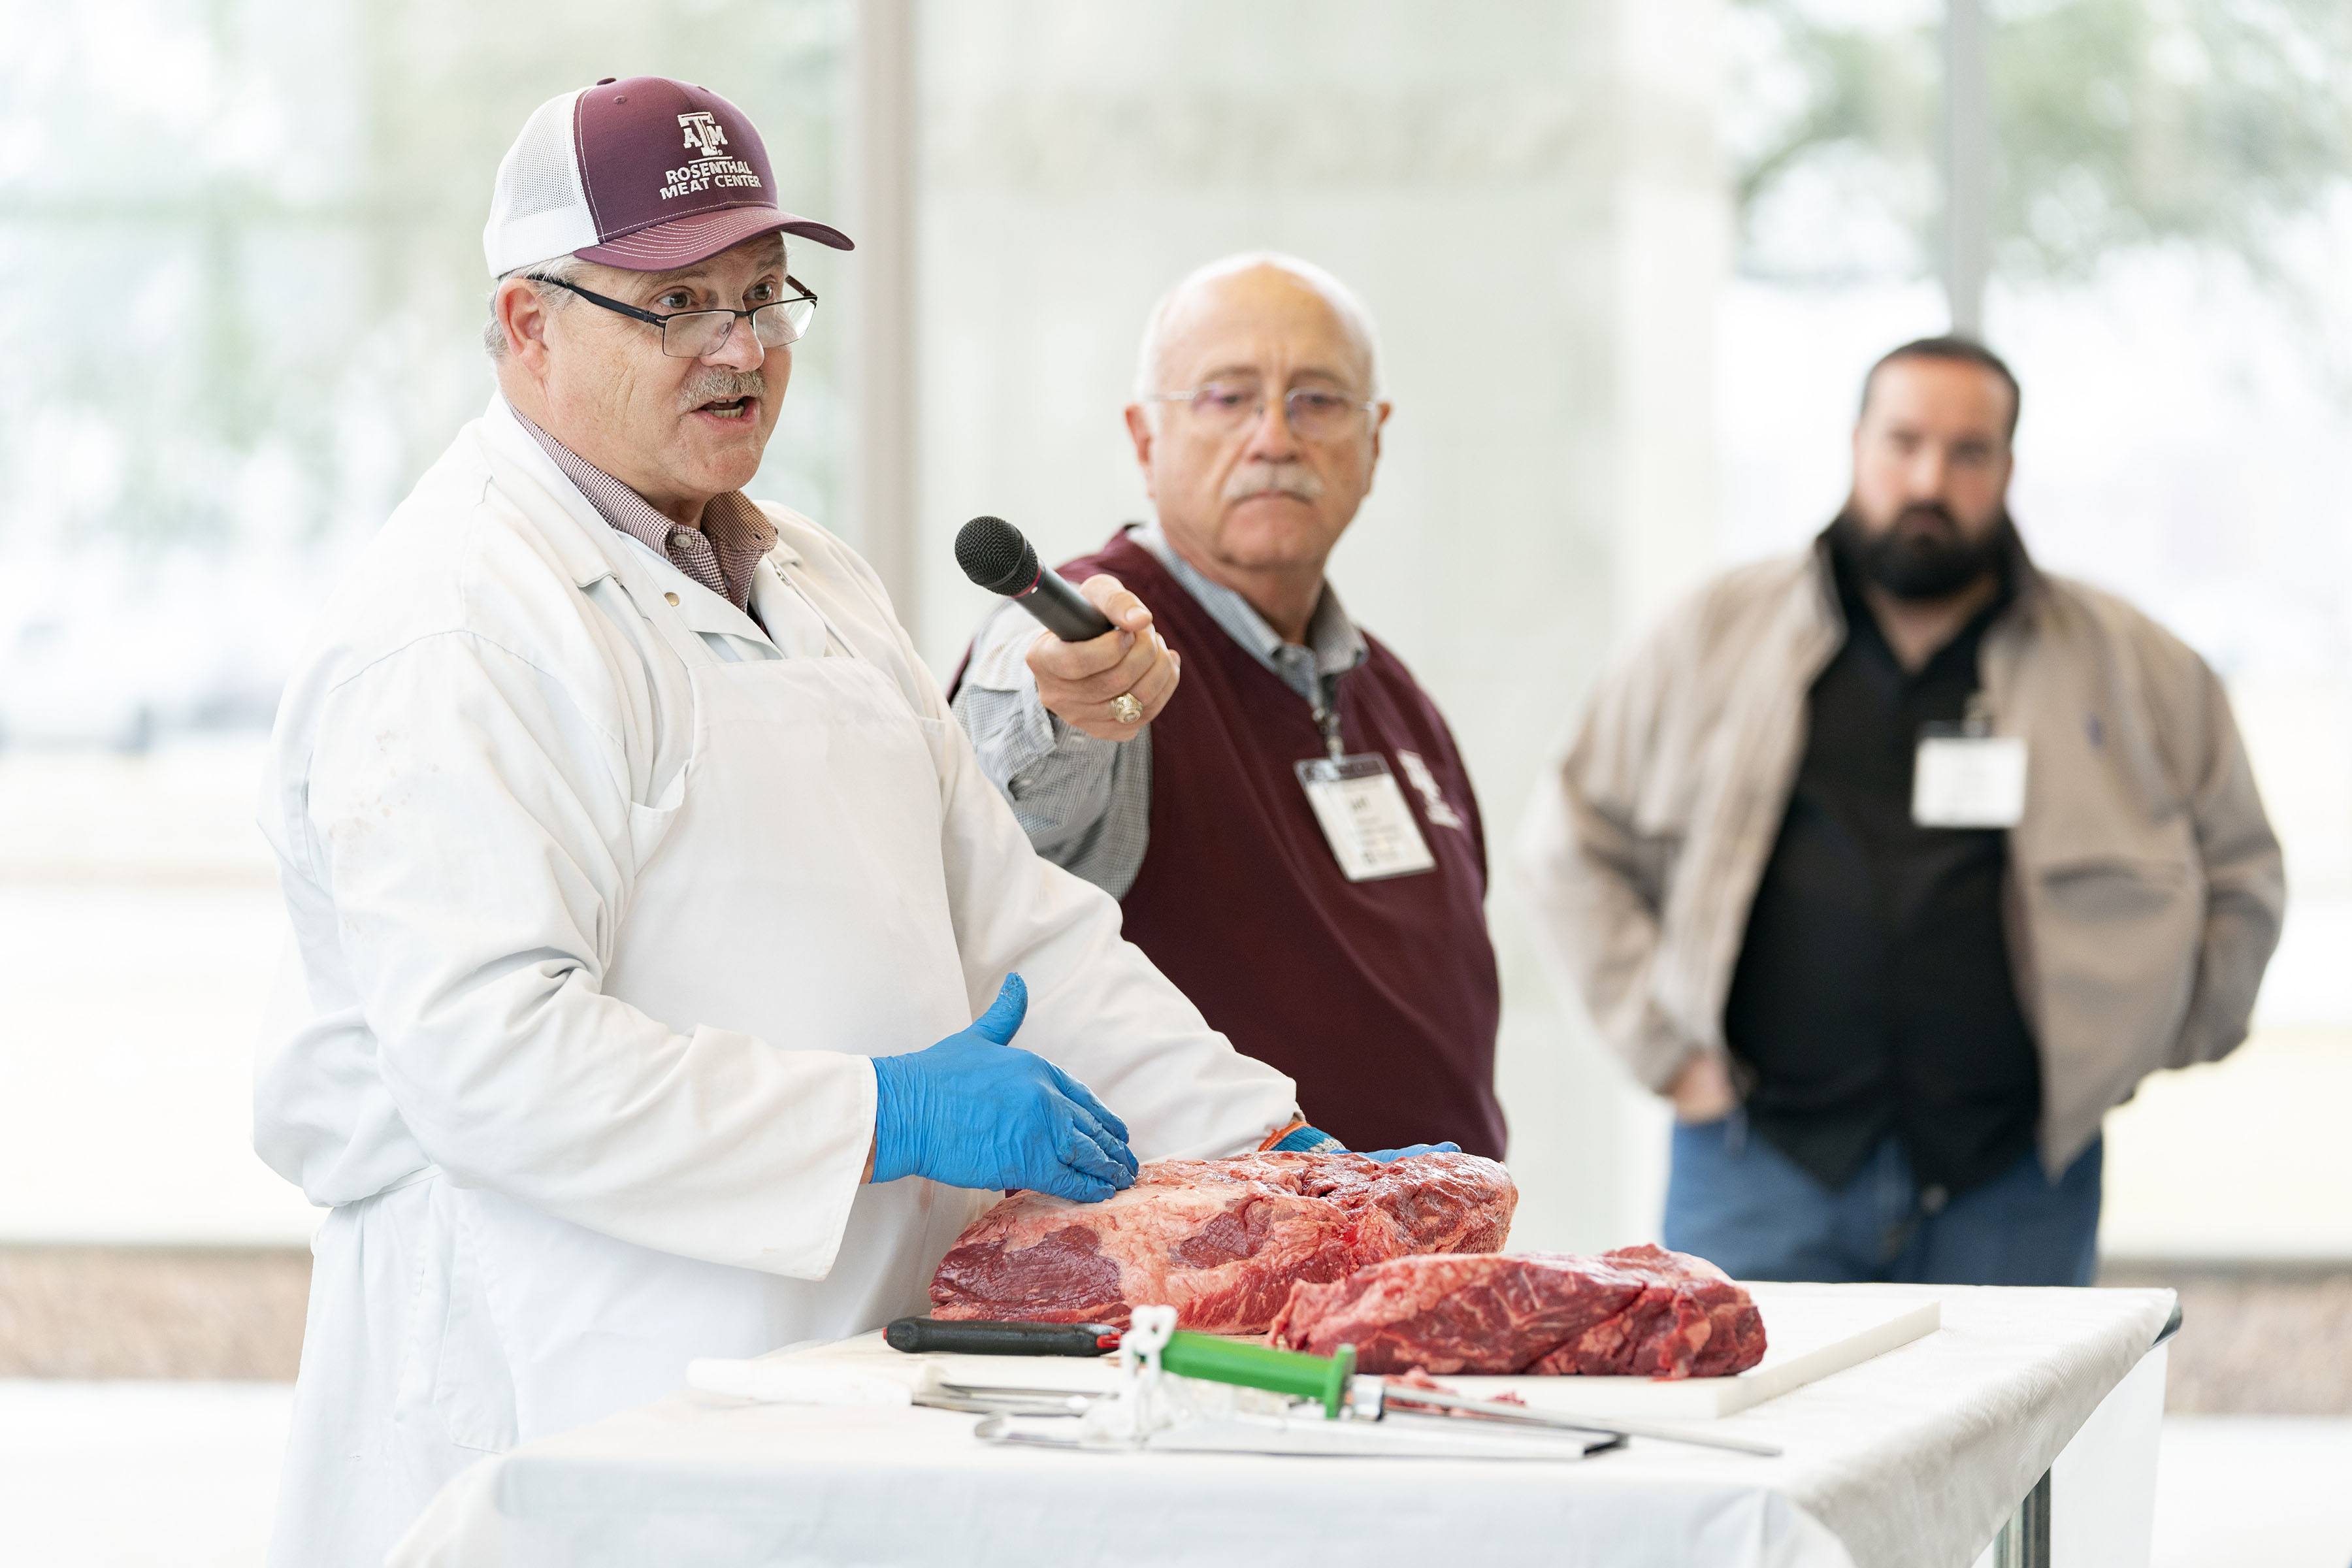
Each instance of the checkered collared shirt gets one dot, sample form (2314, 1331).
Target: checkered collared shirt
(720, 554)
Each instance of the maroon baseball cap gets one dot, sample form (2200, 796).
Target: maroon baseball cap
(646, 173)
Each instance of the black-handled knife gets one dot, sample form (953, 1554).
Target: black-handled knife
(914, 1335)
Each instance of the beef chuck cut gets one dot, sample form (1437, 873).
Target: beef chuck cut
(1222, 1241)
(1638, 1312)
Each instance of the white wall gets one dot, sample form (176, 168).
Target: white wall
(1526, 196)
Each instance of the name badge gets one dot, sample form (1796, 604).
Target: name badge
(1963, 780)
(1363, 815)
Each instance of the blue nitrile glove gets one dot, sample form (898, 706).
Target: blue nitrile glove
(1385, 1155)
(1304, 1139)
(975, 1111)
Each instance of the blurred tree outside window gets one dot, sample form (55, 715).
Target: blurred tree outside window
(242, 243)
(2119, 125)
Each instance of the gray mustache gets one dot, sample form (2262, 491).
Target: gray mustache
(723, 386)
(1274, 479)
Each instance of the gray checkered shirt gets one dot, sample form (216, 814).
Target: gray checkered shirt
(721, 554)
(1085, 804)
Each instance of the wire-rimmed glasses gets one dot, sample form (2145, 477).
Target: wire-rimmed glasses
(1312, 413)
(696, 334)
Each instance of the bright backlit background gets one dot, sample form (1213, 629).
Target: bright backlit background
(1630, 263)
(1630, 258)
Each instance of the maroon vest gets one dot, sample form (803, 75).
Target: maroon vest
(1379, 998)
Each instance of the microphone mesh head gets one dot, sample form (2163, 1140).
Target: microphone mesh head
(993, 554)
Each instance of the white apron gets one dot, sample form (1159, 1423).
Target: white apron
(791, 887)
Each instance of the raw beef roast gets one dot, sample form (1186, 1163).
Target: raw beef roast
(1638, 1312)
(1222, 1241)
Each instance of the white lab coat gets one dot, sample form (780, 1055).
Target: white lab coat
(601, 900)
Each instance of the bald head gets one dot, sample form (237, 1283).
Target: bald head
(1256, 423)
(1259, 283)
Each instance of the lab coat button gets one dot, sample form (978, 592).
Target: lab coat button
(671, 597)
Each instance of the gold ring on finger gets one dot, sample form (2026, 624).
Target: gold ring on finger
(1126, 709)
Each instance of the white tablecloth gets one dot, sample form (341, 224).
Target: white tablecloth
(1910, 1460)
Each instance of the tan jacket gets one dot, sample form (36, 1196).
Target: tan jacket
(2145, 886)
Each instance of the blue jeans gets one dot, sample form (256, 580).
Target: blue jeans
(1737, 1201)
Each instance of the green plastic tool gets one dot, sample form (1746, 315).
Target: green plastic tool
(1249, 1365)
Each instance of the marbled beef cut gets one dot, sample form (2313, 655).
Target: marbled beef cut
(1222, 1241)
(1639, 1311)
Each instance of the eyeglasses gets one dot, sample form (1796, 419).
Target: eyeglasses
(696, 334)
(1314, 412)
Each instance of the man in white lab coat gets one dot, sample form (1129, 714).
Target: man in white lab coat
(643, 891)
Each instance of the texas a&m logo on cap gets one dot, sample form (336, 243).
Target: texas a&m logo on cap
(714, 168)
(703, 132)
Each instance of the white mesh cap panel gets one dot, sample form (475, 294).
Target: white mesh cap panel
(538, 208)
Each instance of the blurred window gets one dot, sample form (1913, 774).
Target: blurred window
(244, 288)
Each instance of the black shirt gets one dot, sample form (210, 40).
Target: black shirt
(1873, 993)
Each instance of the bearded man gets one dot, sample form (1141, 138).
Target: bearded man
(1895, 864)
(1292, 836)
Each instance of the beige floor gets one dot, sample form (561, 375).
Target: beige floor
(2271, 1342)
(152, 1313)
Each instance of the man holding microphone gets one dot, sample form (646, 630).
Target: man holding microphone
(1290, 831)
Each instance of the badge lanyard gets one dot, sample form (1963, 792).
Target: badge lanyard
(1964, 775)
(1360, 809)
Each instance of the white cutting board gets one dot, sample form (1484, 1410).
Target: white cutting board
(868, 1353)
(1810, 1330)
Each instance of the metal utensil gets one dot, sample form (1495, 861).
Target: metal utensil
(1308, 1433)
(1003, 1402)
(1389, 1395)
(1008, 1391)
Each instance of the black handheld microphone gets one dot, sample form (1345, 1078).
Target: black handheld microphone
(994, 554)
